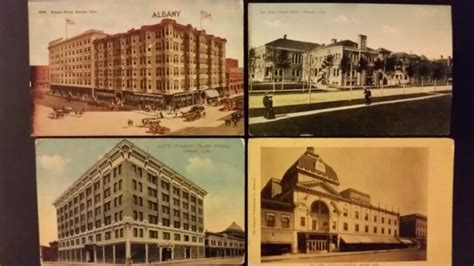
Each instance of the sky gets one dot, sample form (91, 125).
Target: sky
(60, 162)
(394, 177)
(116, 16)
(423, 30)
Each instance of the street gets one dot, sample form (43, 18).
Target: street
(206, 261)
(255, 101)
(106, 123)
(380, 256)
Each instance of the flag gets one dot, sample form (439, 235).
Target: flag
(206, 15)
(70, 22)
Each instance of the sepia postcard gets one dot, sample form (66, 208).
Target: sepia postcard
(142, 201)
(126, 68)
(350, 201)
(349, 69)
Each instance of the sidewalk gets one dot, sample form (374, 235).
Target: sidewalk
(261, 119)
(328, 254)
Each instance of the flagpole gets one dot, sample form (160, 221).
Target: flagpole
(65, 29)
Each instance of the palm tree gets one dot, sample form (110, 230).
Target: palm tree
(252, 59)
(282, 62)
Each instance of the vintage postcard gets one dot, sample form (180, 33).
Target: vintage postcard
(350, 201)
(141, 201)
(126, 68)
(349, 69)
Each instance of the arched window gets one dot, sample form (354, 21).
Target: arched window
(319, 207)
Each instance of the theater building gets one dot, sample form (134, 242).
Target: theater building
(166, 64)
(304, 212)
(414, 227)
(228, 243)
(130, 207)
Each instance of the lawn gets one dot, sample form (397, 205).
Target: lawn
(255, 112)
(414, 118)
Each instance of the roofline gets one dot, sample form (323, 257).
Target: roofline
(85, 33)
(117, 147)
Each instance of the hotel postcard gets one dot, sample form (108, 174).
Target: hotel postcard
(349, 69)
(144, 201)
(126, 68)
(350, 201)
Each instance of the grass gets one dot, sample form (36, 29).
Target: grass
(269, 86)
(255, 112)
(413, 118)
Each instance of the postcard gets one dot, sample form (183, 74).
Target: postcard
(141, 201)
(349, 69)
(122, 68)
(350, 201)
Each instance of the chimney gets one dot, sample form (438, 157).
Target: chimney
(362, 42)
(333, 40)
(441, 57)
(284, 36)
(310, 149)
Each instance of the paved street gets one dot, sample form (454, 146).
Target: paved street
(380, 256)
(255, 101)
(115, 122)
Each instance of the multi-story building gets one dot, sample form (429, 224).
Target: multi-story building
(166, 64)
(129, 206)
(415, 227)
(234, 78)
(39, 78)
(230, 242)
(267, 57)
(303, 212)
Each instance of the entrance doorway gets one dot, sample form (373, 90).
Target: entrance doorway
(166, 254)
(316, 245)
(187, 253)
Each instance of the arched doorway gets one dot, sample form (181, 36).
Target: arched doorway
(319, 216)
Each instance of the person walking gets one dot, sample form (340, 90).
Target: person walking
(368, 96)
(265, 105)
(271, 112)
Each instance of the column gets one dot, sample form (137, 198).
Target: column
(127, 253)
(95, 254)
(294, 245)
(80, 254)
(113, 253)
(146, 253)
(172, 253)
(103, 253)
(159, 254)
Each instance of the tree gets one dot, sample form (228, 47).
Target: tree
(423, 70)
(345, 66)
(438, 71)
(328, 63)
(282, 62)
(252, 59)
(271, 58)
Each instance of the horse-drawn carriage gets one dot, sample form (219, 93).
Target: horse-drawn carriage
(60, 112)
(194, 113)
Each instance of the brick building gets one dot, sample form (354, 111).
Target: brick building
(129, 206)
(39, 78)
(228, 243)
(166, 64)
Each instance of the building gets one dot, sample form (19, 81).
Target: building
(304, 212)
(39, 78)
(127, 207)
(230, 242)
(267, 59)
(49, 253)
(166, 64)
(415, 227)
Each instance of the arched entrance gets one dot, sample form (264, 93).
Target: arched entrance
(318, 237)
(319, 216)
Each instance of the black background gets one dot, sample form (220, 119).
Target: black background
(19, 240)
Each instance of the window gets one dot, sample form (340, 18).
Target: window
(357, 228)
(346, 227)
(375, 229)
(375, 218)
(165, 197)
(107, 235)
(356, 214)
(176, 212)
(383, 230)
(383, 219)
(366, 217)
(176, 224)
(334, 225)
(366, 228)
(153, 234)
(166, 222)
(166, 235)
(177, 237)
(285, 221)
(153, 219)
(302, 221)
(165, 209)
(345, 212)
(270, 219)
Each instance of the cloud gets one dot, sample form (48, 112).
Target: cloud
(200, 166)
(275, 24)
(54, 163)
(344, 19)
(389, 29)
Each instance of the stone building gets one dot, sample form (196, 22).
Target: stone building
(228, 243)
(304, 212)
(166, 64)
(128, 207)
(415, 227)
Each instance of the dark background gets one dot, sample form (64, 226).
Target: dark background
(19, 242)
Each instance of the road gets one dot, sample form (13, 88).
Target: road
(255, 101)
(393, 255)
(207, 261)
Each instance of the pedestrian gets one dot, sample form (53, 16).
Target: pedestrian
(368, 96)
(265, 105)
(271, 112)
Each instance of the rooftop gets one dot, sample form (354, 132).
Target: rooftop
(292, 44)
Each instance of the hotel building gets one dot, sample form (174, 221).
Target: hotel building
(230, 242)
(166, 64)
(128, 207)
(304, 212)
(415, 227)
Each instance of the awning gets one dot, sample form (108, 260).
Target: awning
(381, 240)
(365, 239)
(405, 241)
(350, 239)
(212, 93)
